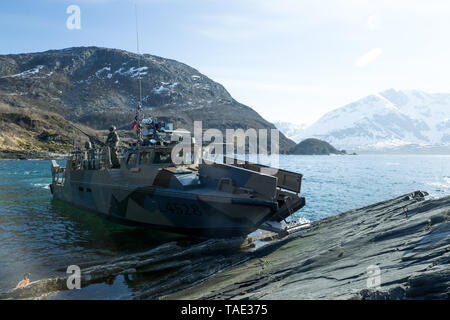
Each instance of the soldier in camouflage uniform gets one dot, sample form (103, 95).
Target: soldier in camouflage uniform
(112, 141)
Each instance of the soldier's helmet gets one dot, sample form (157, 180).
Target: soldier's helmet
(112, 128)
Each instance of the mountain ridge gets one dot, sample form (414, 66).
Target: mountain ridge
(385, 120)
(97, 87)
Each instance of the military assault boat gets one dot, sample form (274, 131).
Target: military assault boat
(202, 200)
(225, 199)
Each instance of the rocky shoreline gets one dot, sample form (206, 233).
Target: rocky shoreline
(30, 155)
(395, 249)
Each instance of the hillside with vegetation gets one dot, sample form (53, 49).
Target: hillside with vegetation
(42, 96)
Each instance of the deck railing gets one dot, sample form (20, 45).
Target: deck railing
(92, 159)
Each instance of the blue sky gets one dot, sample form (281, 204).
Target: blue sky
(290, 60)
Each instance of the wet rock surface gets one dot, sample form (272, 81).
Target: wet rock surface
(396, 249)
(407, 238)
(164, 269)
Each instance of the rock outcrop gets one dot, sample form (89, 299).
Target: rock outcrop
(396, 249)
(315, 147)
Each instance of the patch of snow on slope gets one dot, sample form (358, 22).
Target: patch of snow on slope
(165, 88)
(27, 73)
(133, 72)
(99, 72)
(161, 90)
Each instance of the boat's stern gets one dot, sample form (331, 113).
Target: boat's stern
(58, 176)
(285, 190)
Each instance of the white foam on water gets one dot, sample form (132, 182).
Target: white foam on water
(303, 220)
(41, 185)
(441, 187)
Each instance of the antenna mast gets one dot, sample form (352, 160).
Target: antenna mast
(139, 54)
(139, 111)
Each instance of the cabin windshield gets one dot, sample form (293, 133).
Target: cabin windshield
(132, 160)
(146, 158)
(162, 157)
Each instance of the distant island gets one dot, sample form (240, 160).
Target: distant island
(314, 146)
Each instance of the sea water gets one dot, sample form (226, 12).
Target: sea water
(40, 235)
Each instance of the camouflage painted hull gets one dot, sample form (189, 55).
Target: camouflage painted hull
(210, 201)
(156, 208)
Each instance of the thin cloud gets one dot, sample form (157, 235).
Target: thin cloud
(368, 57)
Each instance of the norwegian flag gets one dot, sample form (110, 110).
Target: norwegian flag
(135, 122)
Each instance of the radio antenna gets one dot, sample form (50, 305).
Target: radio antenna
(139, 54)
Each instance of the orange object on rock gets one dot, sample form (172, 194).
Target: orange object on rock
(24, 282)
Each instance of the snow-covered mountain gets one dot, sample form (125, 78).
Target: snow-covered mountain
(388, 119)
(291, 130)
